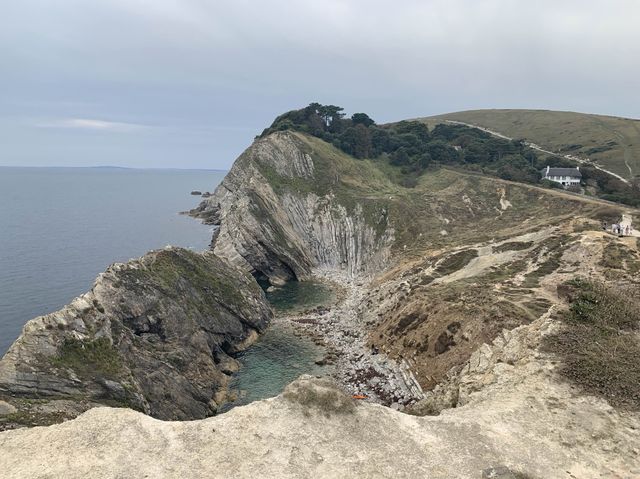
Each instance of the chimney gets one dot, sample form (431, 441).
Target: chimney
(547, 171)
(578, 168)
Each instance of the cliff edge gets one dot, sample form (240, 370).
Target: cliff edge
(314, 430)
(154, 334)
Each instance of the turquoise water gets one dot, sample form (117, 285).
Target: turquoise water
(299, 295)
(280, 356)
(274, 361)
(60, 227)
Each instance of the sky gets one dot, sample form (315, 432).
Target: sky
(190, 83)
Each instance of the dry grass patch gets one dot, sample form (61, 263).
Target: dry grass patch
(599, 345)
(319, 394)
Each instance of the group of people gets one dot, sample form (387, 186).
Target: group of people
(619, 229)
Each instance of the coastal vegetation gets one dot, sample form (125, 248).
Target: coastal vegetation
(612, 142)
(598, 344)
(89, 358)
(410, 148)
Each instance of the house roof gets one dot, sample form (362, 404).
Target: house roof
(575, 172)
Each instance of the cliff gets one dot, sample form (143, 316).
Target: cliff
(154, 334)
(287, 206)
(451, 295)
(431, 272)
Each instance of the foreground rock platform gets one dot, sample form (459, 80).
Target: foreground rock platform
(314, 430)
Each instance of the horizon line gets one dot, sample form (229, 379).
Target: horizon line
(112, 167)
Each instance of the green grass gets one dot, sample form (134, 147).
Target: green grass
(609, 140)
(89, 358)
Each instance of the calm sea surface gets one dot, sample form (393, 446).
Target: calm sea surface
(60, 227)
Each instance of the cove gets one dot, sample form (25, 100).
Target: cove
(280, 355)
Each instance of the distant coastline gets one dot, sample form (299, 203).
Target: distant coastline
(110, 167)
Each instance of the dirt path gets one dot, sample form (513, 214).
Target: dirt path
(556, 192)
(539, 148)
(627, 220)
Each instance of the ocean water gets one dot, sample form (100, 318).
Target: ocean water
(299, 295)
(60, 227)
(280, 356)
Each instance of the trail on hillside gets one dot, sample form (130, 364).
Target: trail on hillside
(539, 148)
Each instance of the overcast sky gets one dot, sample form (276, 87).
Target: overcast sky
(189, 83)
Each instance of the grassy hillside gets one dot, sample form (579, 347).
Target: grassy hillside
(414, 149)
(473, 255)
(613, 142)
(445, 207)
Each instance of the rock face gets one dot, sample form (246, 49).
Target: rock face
(153, 334)
(313, 430)
(282, 210)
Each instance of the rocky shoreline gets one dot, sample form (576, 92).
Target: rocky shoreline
(157, 334)
(342, 328)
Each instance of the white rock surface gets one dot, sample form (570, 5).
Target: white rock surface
(567, 437)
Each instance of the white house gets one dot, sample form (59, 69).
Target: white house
(565, 176)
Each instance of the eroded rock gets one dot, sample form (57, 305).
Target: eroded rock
(154, 334)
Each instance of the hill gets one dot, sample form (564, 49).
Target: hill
(612, 142)
(447, 263)
(412, 148)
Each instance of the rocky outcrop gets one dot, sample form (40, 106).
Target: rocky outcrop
(283, 210)
(313, 430)
(154, 334)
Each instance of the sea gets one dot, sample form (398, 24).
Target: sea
(61, 227)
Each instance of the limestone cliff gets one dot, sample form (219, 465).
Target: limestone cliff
(153, 334)
(285, 208)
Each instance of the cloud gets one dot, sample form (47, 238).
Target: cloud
(92, 124)
(199, 78)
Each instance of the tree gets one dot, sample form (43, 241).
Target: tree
(356, 140)
(380, 141)
(330, 113)
(424, 160)
(442, 152)
(362, 119)
(400, 157)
